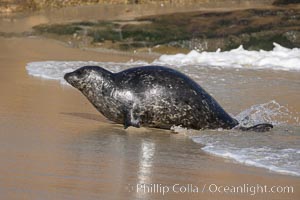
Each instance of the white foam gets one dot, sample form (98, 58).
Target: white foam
(280, 58)
(270, 112)
(271, 159)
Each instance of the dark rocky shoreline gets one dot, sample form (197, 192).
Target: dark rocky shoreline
(254, 28)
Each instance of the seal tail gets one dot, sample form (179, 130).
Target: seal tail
(264, 127)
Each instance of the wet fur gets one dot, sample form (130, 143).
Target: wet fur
(150, 96)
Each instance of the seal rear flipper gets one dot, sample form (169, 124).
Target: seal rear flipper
(130, 121)
(258, 127)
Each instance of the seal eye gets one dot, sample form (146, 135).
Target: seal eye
(80, 73)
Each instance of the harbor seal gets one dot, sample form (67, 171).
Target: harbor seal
(152, 96)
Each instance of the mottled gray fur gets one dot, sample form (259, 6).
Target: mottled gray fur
(151, 96)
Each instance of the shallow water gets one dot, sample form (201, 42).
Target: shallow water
(277, 150)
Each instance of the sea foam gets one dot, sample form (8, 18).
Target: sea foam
(265, 150)
(280, 58)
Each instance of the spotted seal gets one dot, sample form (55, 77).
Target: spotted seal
(152, 96)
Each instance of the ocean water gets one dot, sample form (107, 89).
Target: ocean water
(253, 86)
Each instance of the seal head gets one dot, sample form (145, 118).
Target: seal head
(84, 77)
(96, 84)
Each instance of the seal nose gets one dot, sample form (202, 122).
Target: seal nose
(66, 76)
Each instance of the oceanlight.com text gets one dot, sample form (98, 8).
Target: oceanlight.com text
(247, 189)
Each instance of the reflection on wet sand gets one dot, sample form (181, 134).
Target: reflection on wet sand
(146, 157)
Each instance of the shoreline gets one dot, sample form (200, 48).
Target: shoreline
(27, 100)
(54, 144)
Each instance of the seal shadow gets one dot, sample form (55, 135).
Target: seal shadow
(87, 116)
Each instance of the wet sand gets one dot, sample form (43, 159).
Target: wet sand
(55, 145)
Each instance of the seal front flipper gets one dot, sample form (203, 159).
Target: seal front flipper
(130, 119)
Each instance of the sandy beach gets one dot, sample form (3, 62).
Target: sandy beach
(55, 145)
